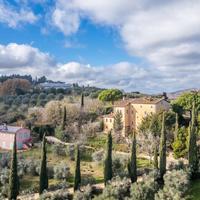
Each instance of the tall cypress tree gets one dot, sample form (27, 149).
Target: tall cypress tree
(192, 148)
(64, 118)
(82, 100)
(163, 149)
(14, 179)
(43, 168)
(132, 165)
(108, 161)
(176, 127)
(155, 157)
(77, 177)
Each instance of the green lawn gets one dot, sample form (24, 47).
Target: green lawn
(195, 190)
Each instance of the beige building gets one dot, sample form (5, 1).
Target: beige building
(133, 111)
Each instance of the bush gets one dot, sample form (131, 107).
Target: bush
(61, 171)
(176, 184)
(98, 156)
(146, 189)
(58, 195)
(117, 189)
(70, 151)
(59, 150)
(85, 194)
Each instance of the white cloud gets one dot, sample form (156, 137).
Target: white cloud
(13, 17)
(165, 34)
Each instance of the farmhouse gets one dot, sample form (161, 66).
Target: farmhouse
(7, 134)
(133, 111)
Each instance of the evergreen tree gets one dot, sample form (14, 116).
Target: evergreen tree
(108, 161)
(77, 177)
(43, 168)
(192, 145)
(118, 124)
(64, 119)
(14, 179)
(176, 127)
(155, 158)
(82, 100)
(163, 149)
(132, 165)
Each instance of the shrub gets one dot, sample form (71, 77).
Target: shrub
(117, 189)
(98, 156)
(85, 194)
(58, 195)
(176, 184)
(146, 189)
(59, 150)
(61, 171)
(70, 151)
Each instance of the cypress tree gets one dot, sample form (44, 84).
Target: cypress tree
(155, 158)
(14, 179)
(163, 149)
(132, 165)
(82, 100)
(108, 161)
(176, 127)
(192, 147)
(64, 118)
(43, 168)
(77, 177)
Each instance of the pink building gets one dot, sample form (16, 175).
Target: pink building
(7, 134)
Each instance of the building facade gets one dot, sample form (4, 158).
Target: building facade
(133, 111)
(7, 135)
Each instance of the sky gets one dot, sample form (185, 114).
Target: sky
(148, 45)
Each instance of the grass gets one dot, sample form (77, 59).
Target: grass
(195, 190)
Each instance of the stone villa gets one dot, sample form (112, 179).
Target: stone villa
(133, 111)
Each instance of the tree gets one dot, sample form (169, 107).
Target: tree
(110, 95)
(77, 178)
(43, 168)
(176, 127)
(132, 165)
(163, 149)
(118, 124)
(64, 119)
(185, 101)
(192, 148)
(82, 100)
(180, 147)
(108, 161)
(155, 158)
(14, 179)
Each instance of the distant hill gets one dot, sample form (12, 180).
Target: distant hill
(176, 94)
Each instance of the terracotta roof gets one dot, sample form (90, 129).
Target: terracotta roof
(147, 100)
(143, 100)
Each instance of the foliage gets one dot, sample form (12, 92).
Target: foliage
(175, 187)
(43, 168)
(162, 152)
(61, 171)
(155, 158)
(77, 177)
(180, 146)
(185, 101)
(14, 179)
(58, 195)
(108, 160)
(153, 123)
(110, 95)
(192, 148)
(98, 156)
(84, 194)
(117, 189)
(145, 189)
(132, 164)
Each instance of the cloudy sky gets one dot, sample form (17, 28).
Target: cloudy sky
(147, 45)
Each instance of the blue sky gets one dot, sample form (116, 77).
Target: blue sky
(143, 45)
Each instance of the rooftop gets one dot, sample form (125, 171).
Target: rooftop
(143, 100)
(9, 129)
